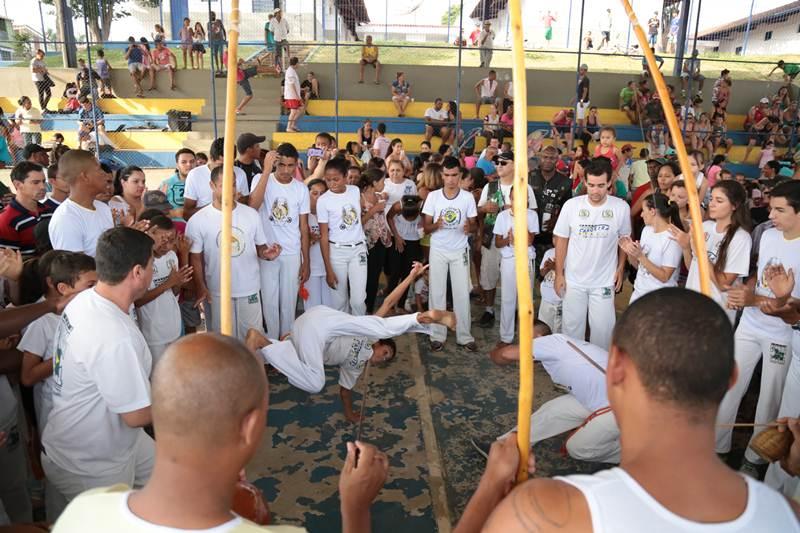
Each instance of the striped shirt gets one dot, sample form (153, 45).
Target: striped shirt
(17, 225)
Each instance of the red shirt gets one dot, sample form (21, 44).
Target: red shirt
(17, 225)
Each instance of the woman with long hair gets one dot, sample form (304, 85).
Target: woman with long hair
(198, 49)
(129, 188)
(354, 151)
(430, 180)
(398, 153)
(376, 229)
(28, 119)
(656, 255)
(667, 173)
(728, 242)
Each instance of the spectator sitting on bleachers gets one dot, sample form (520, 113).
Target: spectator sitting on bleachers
(71, 94)
(491, 124)
(310, 89)
(380, 146)
(507, 122)
(437, 121)
(163, 59)
(88, 115)
(561, 126)
(401, 94)
(28, 120)
(628, 101)
(134, 55)
(87, 79)
(369, 56)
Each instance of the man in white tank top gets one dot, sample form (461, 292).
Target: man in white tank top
(667, 373)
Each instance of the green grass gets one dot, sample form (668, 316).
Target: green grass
(441, 54)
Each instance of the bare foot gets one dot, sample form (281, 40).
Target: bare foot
(445, 318)
(255, 340)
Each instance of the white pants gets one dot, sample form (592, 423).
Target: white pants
(246, 315)
(134, 474)
(457, 264)
(580, 109)
(776, 477)
(597, 440)
(279, 285)
(550, 314)
(508, 296)
(750, 345)
(350, 267)
(599, 304)
(14, 477)
(301, 357)
(318, 292)
(490, 268)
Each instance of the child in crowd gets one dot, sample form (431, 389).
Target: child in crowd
(71, 94)
(767, 154)
(421, 293)
(158, 310)
(406, 227)
(316, 288)
(504, 241)
(103, 68)
(550, 307)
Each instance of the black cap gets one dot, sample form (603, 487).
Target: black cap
(246, 140)
(503, 156)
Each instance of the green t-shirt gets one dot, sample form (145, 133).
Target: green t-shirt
(791, 69)
(626, 95)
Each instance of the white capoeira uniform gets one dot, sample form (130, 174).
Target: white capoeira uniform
(591, 263)
(585, 407)
(323, 336)
(761, 337)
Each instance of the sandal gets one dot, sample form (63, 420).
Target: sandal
(437, 346)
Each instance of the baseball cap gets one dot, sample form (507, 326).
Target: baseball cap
(626, 147)
(764, 101)
(156, 200)
(246, 140)
(503, 156)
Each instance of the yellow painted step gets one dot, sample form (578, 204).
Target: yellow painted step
(124, 106)
(138, 140)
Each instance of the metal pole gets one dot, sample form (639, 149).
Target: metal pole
(314, 22)
(747, 29)
(41, 21)
(385, 20)
(449, 3)
(577, 71)
(213, 82)
(569, 22)
(324, 28)
(680, 44)
(458, 75)
(91, 80)
(628, 40)
(336, 70)
(161, 16)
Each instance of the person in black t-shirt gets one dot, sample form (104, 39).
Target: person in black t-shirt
(552, 190)
(249, 148)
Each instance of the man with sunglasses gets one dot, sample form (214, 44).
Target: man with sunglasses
(495, 197)
(552, 189)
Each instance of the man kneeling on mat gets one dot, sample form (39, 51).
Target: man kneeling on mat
(323, 336)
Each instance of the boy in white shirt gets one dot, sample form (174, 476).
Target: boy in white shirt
(761, 336)
(101, 376)
(504, 241)
(197, 193)
(589, 264)
(450, 216)
(317, 290)
(342, 242)
(283, 205)
(249, 246)
(80, 219)
(158, 309)
(550, 306)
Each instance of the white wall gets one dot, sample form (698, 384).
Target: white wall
(784, 37)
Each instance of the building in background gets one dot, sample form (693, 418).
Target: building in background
(772, 32)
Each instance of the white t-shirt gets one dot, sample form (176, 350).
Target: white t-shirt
(774, 250)
(505, 223)
(548, 285)
(101, 369)
(567, 367)
(395, 191)
(280, 212)
(205, 230)
(342, 213)
(662, 251)
(488, 88)
(408, 230)
(160, 319)
(737, 261)
(38, 340)
(291, 86)
(314, 251)
(421, 289)
(455, 212)
(506, 190)
(76, 229)
(198, 185)
(106, 509)
(350, 354)
(432, 114)
(593, 233)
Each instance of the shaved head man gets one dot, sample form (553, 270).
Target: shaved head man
(209, 409)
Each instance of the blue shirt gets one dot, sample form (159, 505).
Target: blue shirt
(135, 55)
(487, 167)
(88, 117)
(173, 187)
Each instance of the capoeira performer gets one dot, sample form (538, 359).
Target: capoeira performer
(579, 367)
(323, 336)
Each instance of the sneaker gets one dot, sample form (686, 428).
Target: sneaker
(482, 445)
(753, 470)
(436, 346)
(486, 320)
(470, 346)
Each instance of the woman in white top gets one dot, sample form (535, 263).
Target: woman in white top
(656, 255)
(728, 242)
(491, 123)
(129, 187)
(29, 120)
(317, 291)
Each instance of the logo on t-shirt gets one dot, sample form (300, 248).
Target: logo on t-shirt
(451, 216)
(593, 231)
(349, 217)
(583, 213)
(354, 360)
(238, 243)
(607, 213)
(280, 211)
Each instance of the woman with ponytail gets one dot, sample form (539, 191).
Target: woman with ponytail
(728, 242)
(656, 255)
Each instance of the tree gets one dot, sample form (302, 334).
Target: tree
(451, 15)
(101, 13)
(22, 44)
